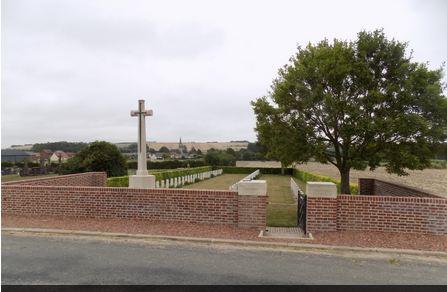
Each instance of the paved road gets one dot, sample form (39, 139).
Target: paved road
(41, 260)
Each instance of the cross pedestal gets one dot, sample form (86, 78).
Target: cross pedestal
(142, 180)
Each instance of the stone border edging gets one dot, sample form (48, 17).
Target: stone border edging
(244, 243)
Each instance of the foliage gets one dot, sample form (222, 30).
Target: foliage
(62, 145)
(193, 150)
(164, 149)
(354, 105)
(123, 181)
(440, 151)
(7, 164)
(230, 156)
(118, 181)
(219, 157)
(305, 176)
(98, 156)
(132, 148)
(438, 164)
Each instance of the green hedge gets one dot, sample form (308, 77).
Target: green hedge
(438, 164)
(307, 176)
(123, 181)
(248, 170)
(168, 164)
(118, 181)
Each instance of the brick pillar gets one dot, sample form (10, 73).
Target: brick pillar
(102, 180)
(366, 186)
(321, 213)
(252, 204)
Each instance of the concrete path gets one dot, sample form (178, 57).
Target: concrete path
(55, 260)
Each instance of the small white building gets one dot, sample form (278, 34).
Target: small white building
(60, 156)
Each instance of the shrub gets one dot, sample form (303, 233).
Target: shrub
(7, 164)
(307, 176)
(438, 164)
(118, 181)
(97, 156)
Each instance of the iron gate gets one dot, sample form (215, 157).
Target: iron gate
(301, 210)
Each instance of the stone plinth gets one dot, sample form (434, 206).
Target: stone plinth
(321, 190)
(142, 181)
(252, 188)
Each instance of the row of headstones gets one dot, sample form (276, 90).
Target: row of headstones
(187, 179)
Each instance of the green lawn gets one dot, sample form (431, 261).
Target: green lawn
(281, 210)
(14, 177)
(221, 182)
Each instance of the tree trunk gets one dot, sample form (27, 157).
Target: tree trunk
(344, 186)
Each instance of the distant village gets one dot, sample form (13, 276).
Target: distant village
(29, 158)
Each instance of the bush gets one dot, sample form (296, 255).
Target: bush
(219, 157)
(307, 176)
(98, 156)
(438, 164)
(7, 164)
(118, 181)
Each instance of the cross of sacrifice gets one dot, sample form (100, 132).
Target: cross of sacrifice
(141, 113)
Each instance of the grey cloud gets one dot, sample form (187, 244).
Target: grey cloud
(73, 69)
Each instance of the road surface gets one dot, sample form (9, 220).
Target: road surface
(56, 260)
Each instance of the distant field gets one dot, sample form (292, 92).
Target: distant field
(268, 164)
(203, 146)
(433, 180)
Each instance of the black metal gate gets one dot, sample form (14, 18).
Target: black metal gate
(301, 211)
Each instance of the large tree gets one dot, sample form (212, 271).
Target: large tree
(98, 156)
(355, 105)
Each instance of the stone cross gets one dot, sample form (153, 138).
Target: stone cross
(141, 113)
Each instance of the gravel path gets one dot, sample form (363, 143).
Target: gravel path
(345, 238)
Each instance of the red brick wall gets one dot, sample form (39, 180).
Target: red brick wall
(193, 206)
(366, 186)
(378, 213)
(375, 187)
(92, 179)
(252, 211)
(321, 214)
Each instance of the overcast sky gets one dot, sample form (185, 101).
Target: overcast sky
(73, 70)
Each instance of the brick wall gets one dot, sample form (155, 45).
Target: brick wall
(92, 179)
(175, 205)
(321, 214)
(252, 211)
(375, 187)
(378, 213)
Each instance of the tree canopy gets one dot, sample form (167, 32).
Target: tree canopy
(98, 156)
(62, 145)
(355, 105)
(164, 149)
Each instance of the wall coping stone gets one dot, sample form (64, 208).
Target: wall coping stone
(321, 190)
(19, 182)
